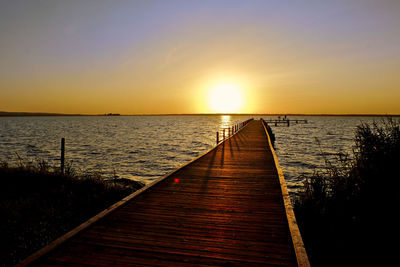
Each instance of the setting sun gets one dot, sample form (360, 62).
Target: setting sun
(225, 98)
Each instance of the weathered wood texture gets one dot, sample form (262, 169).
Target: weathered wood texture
(225, 208)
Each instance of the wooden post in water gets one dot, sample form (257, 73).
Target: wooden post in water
(62, 154)
(217, 137)
(223, 134)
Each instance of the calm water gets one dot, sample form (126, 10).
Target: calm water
(303, 148)
(147, 147)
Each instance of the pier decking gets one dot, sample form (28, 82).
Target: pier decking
(226, 208)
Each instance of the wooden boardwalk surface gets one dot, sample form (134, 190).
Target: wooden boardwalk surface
(223, 209)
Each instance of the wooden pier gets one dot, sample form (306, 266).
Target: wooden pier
(228, 207)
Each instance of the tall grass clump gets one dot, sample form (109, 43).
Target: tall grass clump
(39, 204)
(347, 213)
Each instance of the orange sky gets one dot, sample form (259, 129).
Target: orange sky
(162, 57)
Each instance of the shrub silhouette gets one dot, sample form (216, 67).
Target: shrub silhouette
(346, 212)
(38, 205)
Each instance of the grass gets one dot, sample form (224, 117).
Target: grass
(38, 205)
(346, 213)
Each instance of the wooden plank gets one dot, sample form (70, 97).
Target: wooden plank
(301, 254)
(224, 208)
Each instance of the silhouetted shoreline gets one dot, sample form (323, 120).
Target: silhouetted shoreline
(38, 205)
(33, 114)
(344, 212)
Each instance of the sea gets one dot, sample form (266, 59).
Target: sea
(144, 148)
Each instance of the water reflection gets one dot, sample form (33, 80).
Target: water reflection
(147, 147)
(299, 152)
(138, 147)
(225, 121)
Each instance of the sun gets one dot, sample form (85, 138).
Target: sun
(225, 98)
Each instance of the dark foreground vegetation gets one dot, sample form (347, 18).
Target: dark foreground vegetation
(347, 214)
(38, 205)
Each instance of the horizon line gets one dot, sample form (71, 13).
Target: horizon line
(7, 113)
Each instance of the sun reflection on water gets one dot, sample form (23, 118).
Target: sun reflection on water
(225, 121)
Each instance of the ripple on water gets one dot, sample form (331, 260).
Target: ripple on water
(147, 147)
(303, 148)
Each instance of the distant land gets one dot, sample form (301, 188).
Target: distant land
(38, 114)
(33, 114)
(23, 114)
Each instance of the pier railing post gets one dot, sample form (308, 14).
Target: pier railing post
(62, 154)
(231, 130)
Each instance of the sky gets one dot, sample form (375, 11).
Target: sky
(171, 57)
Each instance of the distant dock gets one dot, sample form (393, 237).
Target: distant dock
(284, 121)
(228, 207)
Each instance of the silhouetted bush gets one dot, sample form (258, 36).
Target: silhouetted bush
(38, 205)
(346, 213)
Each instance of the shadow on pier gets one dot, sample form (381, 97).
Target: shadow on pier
(227, 207)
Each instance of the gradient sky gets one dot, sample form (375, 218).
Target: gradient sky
(141, 57)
